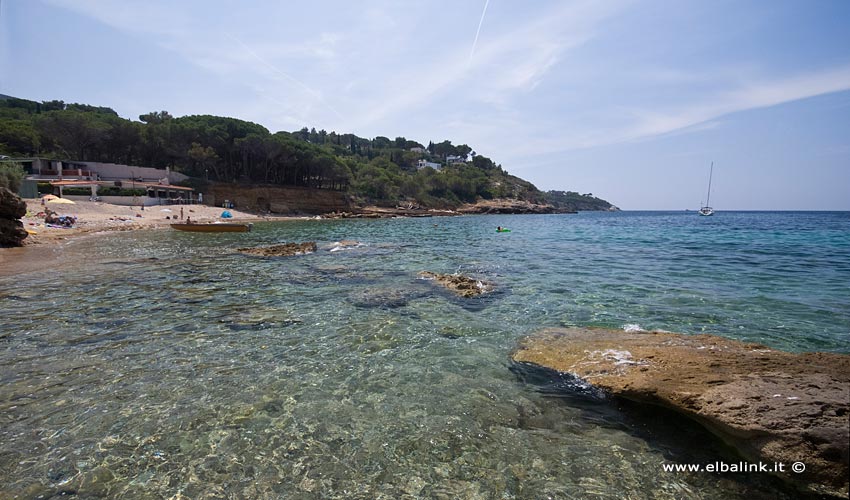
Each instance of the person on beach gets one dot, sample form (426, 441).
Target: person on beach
(181, 213)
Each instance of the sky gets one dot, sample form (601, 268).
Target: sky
(629, 100)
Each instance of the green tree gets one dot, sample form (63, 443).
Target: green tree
(444, 149)
(121, 142)
(52, 106)
(18, 138)
(73, 134)
(381, 142)
(203, 157)
(11, 175)
(155, 117)
(483, 163)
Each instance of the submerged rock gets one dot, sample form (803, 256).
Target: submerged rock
(283, 250)
(772, 406)
(384, 297)
(461, 285)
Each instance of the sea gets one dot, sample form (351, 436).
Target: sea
(164, 364)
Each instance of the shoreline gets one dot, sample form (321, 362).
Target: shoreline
(96, 216)
(45, 245)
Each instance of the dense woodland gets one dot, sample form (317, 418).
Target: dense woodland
(213, 148)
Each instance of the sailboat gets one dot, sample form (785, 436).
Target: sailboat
(706, 209)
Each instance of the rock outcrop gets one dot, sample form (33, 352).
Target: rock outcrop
(282, 250)
(461, 285)
(508, 206)
(770, 405)
(12, 208)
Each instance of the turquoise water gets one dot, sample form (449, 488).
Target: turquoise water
(160, 364)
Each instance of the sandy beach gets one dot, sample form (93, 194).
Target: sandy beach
(97, 216)
(47, 242)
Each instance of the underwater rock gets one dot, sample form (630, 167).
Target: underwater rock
(283, 250)
(772, 406)
(461, 285)
(389, 298)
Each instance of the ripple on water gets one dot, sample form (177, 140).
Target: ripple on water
(181, 367)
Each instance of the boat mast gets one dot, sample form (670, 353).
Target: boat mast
(708, 196)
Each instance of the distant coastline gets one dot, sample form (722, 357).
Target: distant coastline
(223, 153)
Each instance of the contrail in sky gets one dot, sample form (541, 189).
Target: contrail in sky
(478, 31)
(281, 73)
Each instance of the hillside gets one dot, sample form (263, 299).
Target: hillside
(212, 149)
(570, 200)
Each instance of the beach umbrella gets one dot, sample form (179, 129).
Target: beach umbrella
(61, 201)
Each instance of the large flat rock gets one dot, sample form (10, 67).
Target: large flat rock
(770, 405)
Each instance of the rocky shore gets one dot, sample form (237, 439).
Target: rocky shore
(509, 206)
(497, 206)
(372, 212)
(771, 406)
(12, 208)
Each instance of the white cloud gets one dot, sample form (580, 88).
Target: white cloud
(203, 44)
(510, 61)
(748, 96)
(372, 74)
(692, 114)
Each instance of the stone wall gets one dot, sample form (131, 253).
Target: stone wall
(278, 199)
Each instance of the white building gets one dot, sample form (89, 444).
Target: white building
(425, 163)
(157, 184)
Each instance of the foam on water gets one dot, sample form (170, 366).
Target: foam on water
(632, 327)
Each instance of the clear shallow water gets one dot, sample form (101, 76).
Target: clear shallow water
(163, 363)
